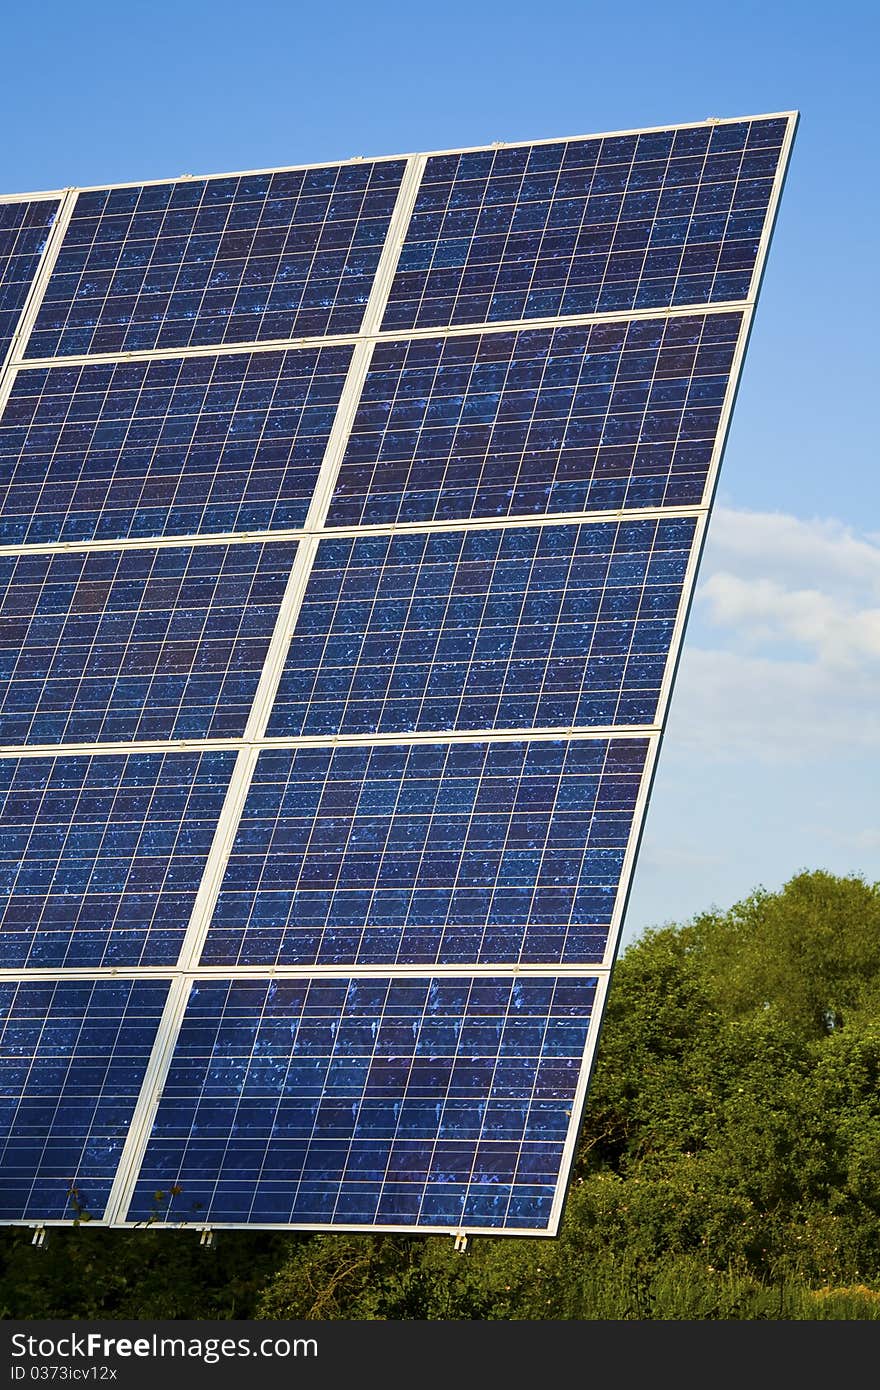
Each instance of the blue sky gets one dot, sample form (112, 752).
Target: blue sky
(771, 760)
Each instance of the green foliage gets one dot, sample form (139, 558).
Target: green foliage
(86, 1272)
(727, 1166)
(385, 1277)
(809, 955)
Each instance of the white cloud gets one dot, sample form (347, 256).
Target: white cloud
(782, 661)
(730, 706)
(765, 612)
(822, 554)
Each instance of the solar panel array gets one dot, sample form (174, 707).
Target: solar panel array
(349, 518)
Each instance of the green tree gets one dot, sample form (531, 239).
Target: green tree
(809, 955)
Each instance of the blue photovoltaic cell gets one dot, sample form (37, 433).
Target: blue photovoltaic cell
(170, 447)
(510, 628)
(73, 1057)
(621, 222)
(135, 644)
(227, 260)
(101, 857)
(429, 853)
(24, 230)
(578, 418)
(438, 1102)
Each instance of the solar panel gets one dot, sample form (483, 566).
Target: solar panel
(514, 628)
(441, 853)
(587, 418)
(101, 857)
(637, 221)
(108, 645)
(231, 260)
(74, 1054)
(439, 1101)
(167, 447)
(349, 518)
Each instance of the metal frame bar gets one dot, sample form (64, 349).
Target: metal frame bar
(305, 972)
(41, 196)
(458, 330)
(187, 968)
(569, 732)
(579, 1102)
(490, 523)
(34, 296)
(148, 1098)
(631, 852)
(34, 299)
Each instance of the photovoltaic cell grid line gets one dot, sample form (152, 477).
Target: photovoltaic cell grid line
(115, 645)
(576, 418)
(101, 857)
(444, 854)
(642, 221)
(178, 446)
(369, 1101)
(218, 261)
(24, 231)
(327, 1096)
(74, 1054)
(516, 628)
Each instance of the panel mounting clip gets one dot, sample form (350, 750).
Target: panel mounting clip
(461, 1242)
(39, 1237)
(206, 1240)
